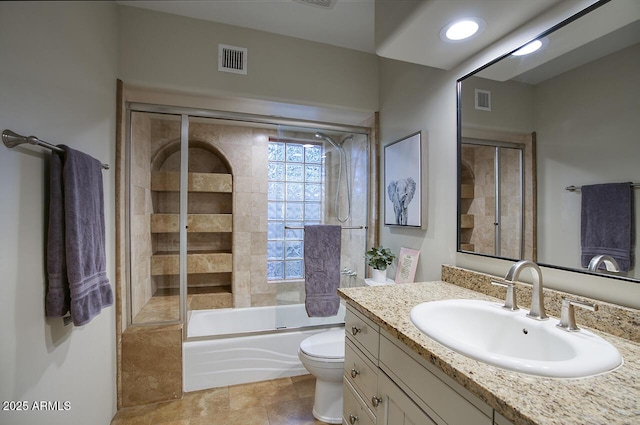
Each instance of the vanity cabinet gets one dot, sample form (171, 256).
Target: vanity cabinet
(387, 383)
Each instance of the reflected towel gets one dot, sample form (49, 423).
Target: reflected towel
(607, 223)
(322, 269)
(76, 261)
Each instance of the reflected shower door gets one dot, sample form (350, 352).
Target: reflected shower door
(492, 198)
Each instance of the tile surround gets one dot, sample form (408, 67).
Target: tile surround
(151, 364)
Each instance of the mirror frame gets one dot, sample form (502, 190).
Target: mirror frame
(549, 31)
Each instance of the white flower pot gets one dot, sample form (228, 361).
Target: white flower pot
(379, 276)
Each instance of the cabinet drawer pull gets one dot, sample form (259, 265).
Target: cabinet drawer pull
(353, 419)
(355, 330)
(375, 400)
(354, 372)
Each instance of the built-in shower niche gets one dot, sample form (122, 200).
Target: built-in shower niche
(209, 226)
(467, 195)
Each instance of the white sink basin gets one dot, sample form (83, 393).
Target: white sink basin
(485, 331)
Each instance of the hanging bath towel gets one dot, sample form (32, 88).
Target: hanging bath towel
(76, 261)
(322, 269)
(607, 223)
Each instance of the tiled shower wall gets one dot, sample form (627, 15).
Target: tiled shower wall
(246, 150)
(480, 160)
(142, 287)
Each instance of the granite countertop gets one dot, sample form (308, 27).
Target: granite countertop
(611, 398)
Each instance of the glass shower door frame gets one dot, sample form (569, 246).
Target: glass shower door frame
(497, 145)
(182, 253)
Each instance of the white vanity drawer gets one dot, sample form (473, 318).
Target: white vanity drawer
(355, 412)
(361, 373)
(363, 332)
(428, 391)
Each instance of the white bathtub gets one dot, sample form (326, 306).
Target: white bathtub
(239, 345)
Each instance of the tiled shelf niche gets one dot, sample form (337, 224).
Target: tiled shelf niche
(467, 193)
(209, 237)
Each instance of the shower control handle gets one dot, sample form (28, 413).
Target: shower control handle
(375, 400)
(353, 419)
(355, 330)
(354, 372)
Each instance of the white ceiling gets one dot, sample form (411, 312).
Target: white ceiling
(350, 23)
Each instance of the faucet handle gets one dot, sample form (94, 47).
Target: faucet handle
(568, 315)
(510, 300)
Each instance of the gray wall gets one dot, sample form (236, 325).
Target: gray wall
(58, 82)
(582, 140)
(174, 52)
(416, 98)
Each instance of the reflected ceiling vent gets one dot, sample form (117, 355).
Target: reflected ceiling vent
(325, 4)
(483, 100)
(232, 59)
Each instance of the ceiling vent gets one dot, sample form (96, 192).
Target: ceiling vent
(483, 100)
(232, 59)
(325, 4)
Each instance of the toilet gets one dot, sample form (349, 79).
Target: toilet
(322, 355)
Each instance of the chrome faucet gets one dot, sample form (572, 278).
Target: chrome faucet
(609, 263)
(537, 299)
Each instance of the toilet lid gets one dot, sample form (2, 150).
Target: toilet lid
(328, 345)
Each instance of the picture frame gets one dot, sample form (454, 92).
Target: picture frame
(403, 203)
(407, 265)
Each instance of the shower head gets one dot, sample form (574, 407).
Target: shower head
(333, 142)
(349, 137)
(328, 139)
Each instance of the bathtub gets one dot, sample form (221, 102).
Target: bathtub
(239, 345)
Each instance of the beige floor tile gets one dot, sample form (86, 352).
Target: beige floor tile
(305, 386)
(261, 393)
(209, 402)
(201, 403)
(178, 422)
(294, 412)
(286, 401)
(252, 416)
(139, 415)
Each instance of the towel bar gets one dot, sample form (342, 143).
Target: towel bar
(577, 188)
(11, 140)
(343, 227)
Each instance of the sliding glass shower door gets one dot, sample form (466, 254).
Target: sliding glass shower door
(492, 198)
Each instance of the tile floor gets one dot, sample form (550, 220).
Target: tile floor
(284, 401)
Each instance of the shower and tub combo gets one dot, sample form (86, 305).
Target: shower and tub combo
(216, 245)
(238, 345)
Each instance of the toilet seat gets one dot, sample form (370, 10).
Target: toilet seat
(325, 345)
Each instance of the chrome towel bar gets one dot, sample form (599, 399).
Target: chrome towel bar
(343, 227)
(11, 140)
(577, 188)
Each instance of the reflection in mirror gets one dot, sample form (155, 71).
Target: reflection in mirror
(577, 100)
(491, 201)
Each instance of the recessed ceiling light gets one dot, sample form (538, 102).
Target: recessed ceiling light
(528, 48)
(462, 29)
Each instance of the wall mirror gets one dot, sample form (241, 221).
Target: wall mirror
(531, 127)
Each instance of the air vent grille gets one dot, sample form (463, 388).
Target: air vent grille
(232, 59)
(483, 100)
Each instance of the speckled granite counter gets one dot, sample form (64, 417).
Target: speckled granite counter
(612, 398)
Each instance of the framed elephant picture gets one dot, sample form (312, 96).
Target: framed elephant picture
(403, 181)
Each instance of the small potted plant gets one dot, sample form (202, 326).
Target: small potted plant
(379, 258)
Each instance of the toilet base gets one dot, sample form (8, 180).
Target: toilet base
(327, 403)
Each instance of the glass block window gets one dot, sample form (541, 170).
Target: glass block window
(295, 188)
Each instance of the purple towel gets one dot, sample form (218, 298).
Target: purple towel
(322, 269)
(76, 261)
(607, 223)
